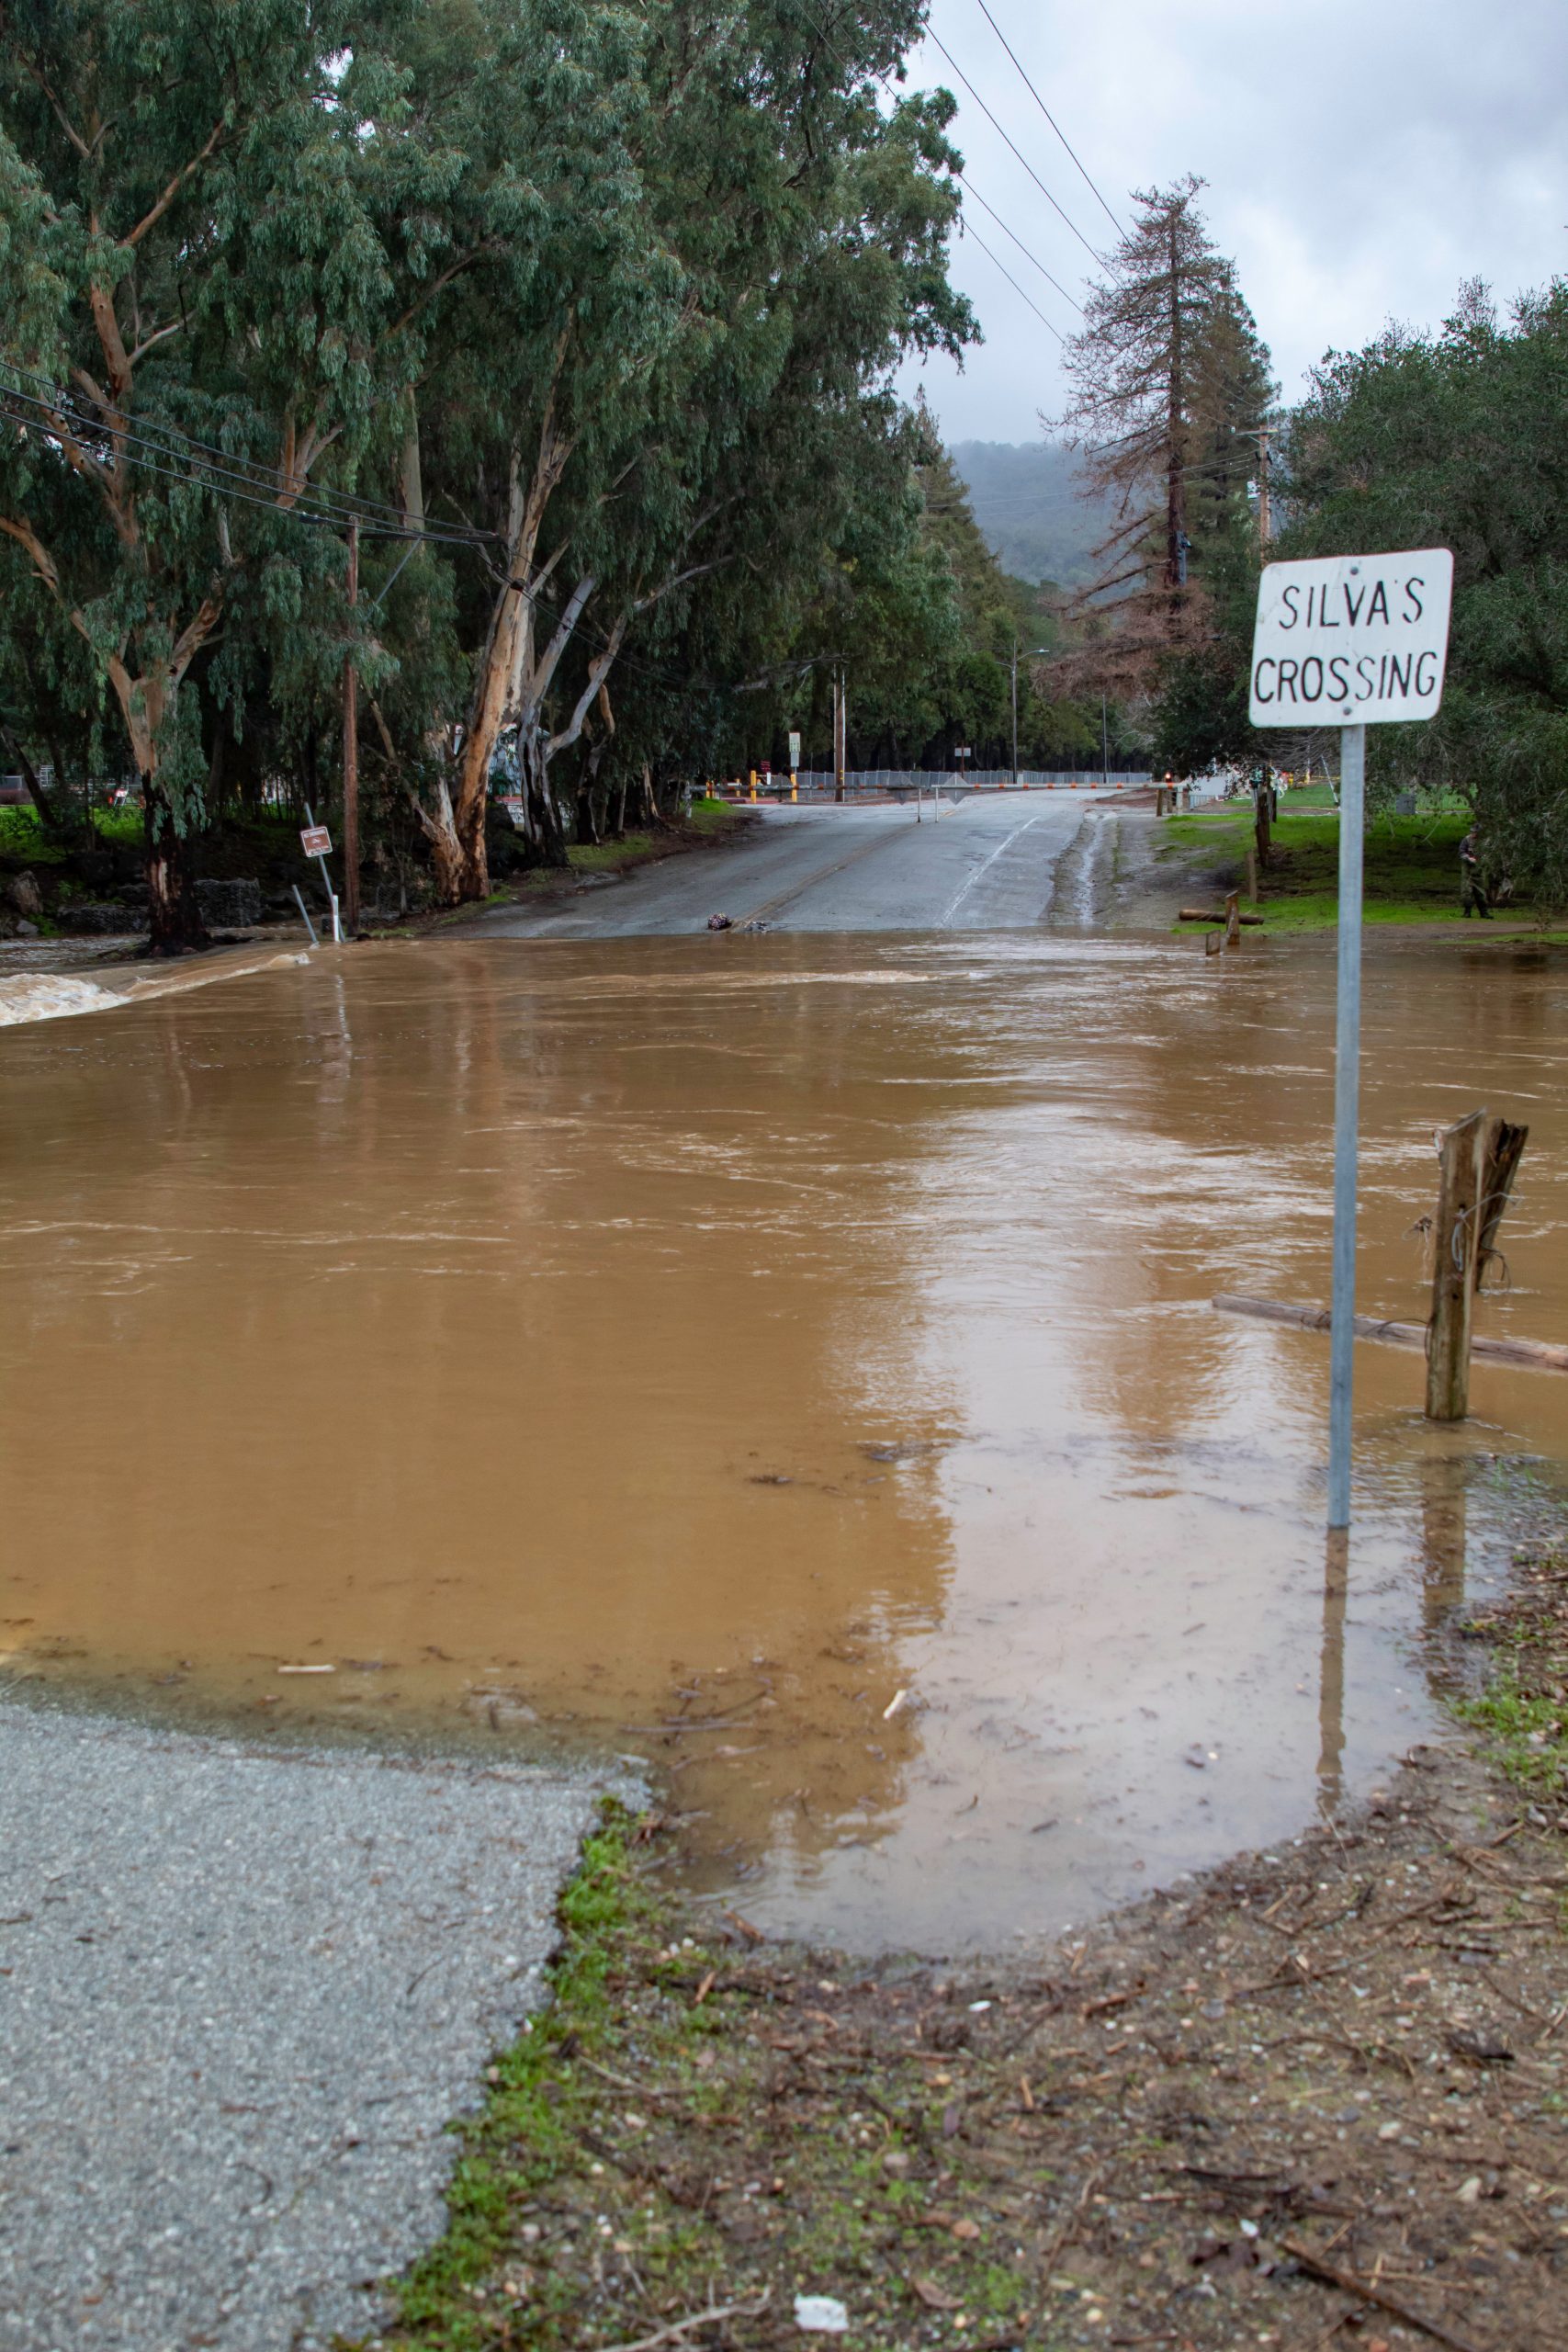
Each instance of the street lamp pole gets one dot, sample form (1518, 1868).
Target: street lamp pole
(1015, 710)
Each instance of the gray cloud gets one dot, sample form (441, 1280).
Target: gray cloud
(1362, 157)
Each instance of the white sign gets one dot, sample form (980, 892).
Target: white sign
(794, 751)
(1357, 640)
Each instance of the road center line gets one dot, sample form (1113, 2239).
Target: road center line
(979, 870)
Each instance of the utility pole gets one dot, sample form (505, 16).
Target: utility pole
(1265, 516)
(839, 734)
(1015, 708)
(1104, 745)
(351, 755)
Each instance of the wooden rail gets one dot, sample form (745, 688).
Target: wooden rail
(1527, 1355)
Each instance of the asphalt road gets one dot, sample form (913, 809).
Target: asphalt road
(241, 1993)
(989, 864)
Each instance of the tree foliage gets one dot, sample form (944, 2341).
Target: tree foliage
(1458, 440)
(588, 313)
(1170, 384)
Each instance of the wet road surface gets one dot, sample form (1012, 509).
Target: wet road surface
(986, 863)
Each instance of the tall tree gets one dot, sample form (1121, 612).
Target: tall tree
(185, 254)
(656, 372)
(1170, 378)
(1456, 439)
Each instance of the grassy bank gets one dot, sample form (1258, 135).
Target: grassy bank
(1317, 2088)
(1412, 871)
(709, 821)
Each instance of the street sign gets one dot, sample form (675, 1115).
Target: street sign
(794, 751)
(315, 841)
(1358, 641)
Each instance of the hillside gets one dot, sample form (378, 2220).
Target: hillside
(1024, 496)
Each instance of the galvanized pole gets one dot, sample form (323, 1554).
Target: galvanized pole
(1347, 1106)
(1015, 710)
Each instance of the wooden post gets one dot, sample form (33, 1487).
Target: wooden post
(1455, 1239)
(1261, 824)
(1252, 875)
(1232, 918)
(1502, 1152)
(351, 757)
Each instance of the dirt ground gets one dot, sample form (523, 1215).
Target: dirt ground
(1315, 2099)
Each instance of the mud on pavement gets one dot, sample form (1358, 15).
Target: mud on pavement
(1314, 2098)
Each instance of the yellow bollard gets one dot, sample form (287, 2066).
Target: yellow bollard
(794, 786)
(752, 773)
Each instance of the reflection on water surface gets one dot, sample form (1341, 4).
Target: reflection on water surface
(692, 1345)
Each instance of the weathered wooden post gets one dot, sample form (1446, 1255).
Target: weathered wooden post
(1233, 920)
(1504, 1150)
(1252, 875)
(1456, 1236)
(1479, 1158)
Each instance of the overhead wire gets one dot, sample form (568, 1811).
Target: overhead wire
(937, 42)
(243, 476)
(963, 175)
(1050, 118)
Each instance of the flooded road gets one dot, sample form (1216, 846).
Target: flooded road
(692, 1345)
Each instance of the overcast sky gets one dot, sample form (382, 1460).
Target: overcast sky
(1362, 157)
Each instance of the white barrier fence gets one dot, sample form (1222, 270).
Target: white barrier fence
(817, 780)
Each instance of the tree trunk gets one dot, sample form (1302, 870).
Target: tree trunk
(541, 825)
(448, 859)
(29, 776)
(173, 912)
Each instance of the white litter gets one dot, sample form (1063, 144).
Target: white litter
(820, 2315)
(896, 1706)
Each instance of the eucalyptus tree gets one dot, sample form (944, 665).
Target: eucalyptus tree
(653, 386)
(192, 302)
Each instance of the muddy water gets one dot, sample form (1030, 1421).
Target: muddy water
(692, 1345)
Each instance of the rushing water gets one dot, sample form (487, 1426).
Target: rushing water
(691, 1345)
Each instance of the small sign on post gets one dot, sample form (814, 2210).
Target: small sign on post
(793, 749)
(316, 843)
(1362, 639)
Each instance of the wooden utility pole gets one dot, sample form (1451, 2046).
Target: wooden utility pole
(1456, 1256)
(1265, 515)
(351, 755)
(839, 735)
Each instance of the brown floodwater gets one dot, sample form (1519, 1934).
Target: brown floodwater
(688, 1346)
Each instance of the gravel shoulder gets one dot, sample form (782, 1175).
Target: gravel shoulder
(242, 1995)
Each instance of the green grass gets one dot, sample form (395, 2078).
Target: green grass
(1412, 871)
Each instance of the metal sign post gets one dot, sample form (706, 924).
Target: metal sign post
(316, 842)
(1363, 640)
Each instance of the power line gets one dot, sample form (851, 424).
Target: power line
(962, 176)
(1023, 249)
(224, 479)
(970, 230)
(249, 473)
(1050, 116)
(938, 43)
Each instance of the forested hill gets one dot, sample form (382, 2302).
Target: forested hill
(1024, 496)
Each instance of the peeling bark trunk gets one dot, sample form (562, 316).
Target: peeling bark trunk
(173, 914)
(447, 858)
(146, 706)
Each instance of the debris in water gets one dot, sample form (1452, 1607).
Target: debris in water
(896, 1706)
(721, 922)
(307, 1670)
